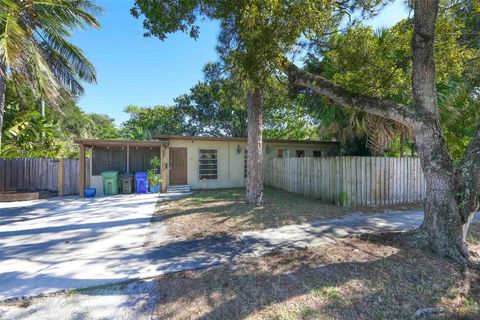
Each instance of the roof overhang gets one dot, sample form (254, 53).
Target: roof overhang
(120, 143)
(164, 140)
(207, 138)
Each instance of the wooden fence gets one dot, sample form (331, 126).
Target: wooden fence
(349, 181)
(28, 174)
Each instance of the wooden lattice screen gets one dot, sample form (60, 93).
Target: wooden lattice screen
(140, 158)
(106, 159)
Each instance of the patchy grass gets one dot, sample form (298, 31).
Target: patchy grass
(353, 279)
(225, 211)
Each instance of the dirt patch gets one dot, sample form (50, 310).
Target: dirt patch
(221, 212)
(353, 279)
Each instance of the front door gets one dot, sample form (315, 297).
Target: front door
(178, 166)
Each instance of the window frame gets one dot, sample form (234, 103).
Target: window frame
(301, 152)
(282, 153)
(208, 162)
(317, 151)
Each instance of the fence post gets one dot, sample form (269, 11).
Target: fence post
(82, 170)
(60, 177)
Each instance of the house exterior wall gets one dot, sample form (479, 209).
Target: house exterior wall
(231, 163)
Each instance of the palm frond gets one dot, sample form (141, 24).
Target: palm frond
(13, 35)
(34, 46)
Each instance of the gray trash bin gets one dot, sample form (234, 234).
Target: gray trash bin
(126, 183)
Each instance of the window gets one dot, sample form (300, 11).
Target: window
(282, 153)
(317, 153)
(207, 164)
(300, 153)
(245, 164)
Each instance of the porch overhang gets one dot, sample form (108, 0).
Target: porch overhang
(162, 144)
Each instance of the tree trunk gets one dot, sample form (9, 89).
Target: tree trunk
(442, 223)
(254, 192)
(3, 87)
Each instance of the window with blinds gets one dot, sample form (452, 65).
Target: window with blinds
(208, 164)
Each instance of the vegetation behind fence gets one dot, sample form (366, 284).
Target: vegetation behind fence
(349, 181)
(38, 174)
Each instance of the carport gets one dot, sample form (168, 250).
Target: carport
(118, 155)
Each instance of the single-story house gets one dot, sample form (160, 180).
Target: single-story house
(200, 162)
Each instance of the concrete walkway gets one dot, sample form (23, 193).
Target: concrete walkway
(63, 243)
(170, 256)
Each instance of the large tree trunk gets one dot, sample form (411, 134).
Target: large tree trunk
(254, 186)
(3, 87)
(442, 223)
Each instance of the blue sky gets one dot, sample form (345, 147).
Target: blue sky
(142, 71)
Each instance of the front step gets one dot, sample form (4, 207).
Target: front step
(179, 189)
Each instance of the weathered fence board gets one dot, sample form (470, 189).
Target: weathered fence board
(349, 181)
(39, 174)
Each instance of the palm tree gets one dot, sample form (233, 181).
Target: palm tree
(34, 50)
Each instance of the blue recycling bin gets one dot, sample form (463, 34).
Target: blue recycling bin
(141, 182)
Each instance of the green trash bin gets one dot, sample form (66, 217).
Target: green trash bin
(110, 182)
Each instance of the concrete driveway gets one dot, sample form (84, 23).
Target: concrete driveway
(62, 243)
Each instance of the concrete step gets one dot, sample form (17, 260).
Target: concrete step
(179, 189)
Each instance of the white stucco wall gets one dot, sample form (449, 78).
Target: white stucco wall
(230, 162)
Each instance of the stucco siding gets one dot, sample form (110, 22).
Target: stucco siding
(230, 162)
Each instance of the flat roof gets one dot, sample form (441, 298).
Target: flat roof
(106, 142)
(210, 138)
(162, 139)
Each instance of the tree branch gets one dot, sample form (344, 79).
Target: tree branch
(469, 177)
(347, 99)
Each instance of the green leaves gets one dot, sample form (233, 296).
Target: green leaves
(34, 49)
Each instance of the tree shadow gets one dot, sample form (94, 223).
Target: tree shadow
(72, 243)
(391, 284)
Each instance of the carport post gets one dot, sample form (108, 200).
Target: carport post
(82, 169)
(128, 158)
(164, 167)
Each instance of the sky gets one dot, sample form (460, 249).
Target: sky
(134, 70)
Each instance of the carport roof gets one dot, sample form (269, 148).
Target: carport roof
(120, 143)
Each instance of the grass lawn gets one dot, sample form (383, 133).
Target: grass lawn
(353, 279)
(225, 211)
